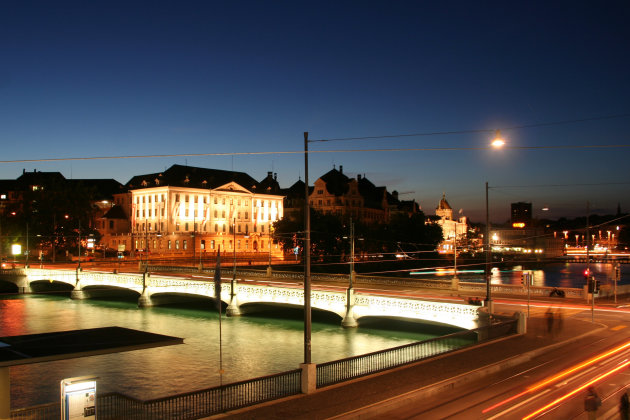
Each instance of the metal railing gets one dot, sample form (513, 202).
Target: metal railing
(330, 373)
(207, 402)
(189, 405)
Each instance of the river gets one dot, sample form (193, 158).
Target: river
(252, 346)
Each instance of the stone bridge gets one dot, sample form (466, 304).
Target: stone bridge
(154, 289)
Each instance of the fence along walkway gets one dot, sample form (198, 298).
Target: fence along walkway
(207, 402)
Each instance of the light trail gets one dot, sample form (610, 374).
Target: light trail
(576, 390)
(559, 376)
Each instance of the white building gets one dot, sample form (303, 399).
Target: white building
(188, 211)
(452, 229)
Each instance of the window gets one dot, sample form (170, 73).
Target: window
(246, 215)
(223, 228)
(320, 191)
(215, 200)
(111, 224)
(186, 213)
(177, 226)
(187, 197)
(239, 202)
(196, 199)
(185, 244)
(239, 215)
(176, 243)
(212, 244)
(238, 244)
(137, 213)
(223, 201)
(177, 198)
(149, 199)
(168, 245)
(162, 211)
(262, 228)
(239, 228)
(186, 227)
(216, 227)
(231, 201)
(223, 214)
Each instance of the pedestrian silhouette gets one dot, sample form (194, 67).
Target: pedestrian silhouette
(549, 316)
(592, 403)
(624, 406)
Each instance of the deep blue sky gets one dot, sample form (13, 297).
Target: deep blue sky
(141, 78)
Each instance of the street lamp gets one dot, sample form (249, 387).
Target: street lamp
(497, 143)
(307, 260)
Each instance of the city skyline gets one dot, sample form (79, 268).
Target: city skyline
(147, 79)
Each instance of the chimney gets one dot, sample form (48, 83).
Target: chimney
(275, 176)
(359, 177)
(340, 168)
(268, 174)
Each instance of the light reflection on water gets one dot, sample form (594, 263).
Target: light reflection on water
(252, 346)
(551, 275)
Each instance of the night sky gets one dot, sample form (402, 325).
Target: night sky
(86, 79)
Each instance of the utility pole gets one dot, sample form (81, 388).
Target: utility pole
(307, 259)
(488, 257)
(234, 248)
(351, 253)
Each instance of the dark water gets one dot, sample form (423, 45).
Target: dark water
(252, 346)
(552, 275)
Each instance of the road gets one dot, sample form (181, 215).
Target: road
(551, 386)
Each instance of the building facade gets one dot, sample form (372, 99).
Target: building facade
(188, 211)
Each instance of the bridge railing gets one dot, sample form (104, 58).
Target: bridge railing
(189, 405)
(336, 371)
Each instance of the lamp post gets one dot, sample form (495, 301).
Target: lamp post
(488, 268)
(79, 245)
(234, 249)
(497, 143)
(351, 253)
(26, 261)
(307, 259)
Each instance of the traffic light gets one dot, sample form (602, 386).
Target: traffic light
(593, 285)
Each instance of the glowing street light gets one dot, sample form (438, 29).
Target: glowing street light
(498, 140)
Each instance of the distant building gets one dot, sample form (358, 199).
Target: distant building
(453, 230)
(521, 215)
(336, 193)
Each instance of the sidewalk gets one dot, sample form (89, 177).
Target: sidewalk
(419, 380)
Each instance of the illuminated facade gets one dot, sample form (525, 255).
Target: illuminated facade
(188, 211)
(452, 230)
(335, 193)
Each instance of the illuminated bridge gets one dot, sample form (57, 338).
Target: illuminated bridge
(244, 295)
